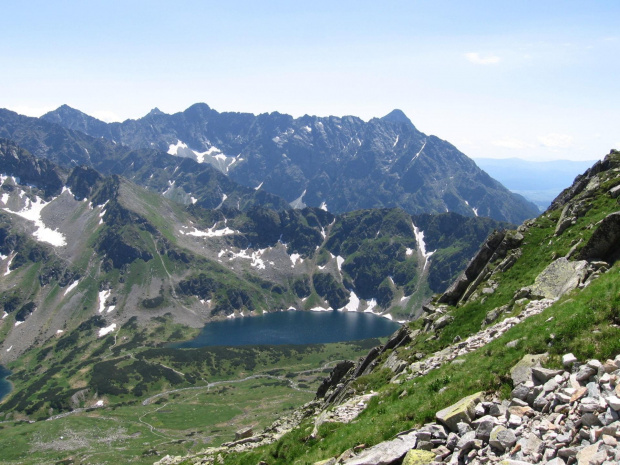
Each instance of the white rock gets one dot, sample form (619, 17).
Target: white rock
(568, 359)
(594, 363)
(613, 402)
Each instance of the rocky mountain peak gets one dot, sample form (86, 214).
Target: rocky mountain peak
(154, 112)
(397, 116)
(64, 111)
(74, 119)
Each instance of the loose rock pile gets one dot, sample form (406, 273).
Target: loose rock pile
(474, 342)
(557, 417)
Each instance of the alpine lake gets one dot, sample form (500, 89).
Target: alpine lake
(292, 327)
(278, 328)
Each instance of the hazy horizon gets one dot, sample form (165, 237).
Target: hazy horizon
(529, 80)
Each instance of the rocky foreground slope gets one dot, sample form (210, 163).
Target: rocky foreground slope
(488, 375)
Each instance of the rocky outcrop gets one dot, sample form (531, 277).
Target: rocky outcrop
(336, 375)
(17, 162)
(83, 181)
(570, 213)
(558, 278)
(243, 433)
(462, 411)
(480, 268)
(473, 270)
(604, 244)
(582, 181)
(336, 390)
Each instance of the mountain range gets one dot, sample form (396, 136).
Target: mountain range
(75, 243)
(342, 164)
(103, 266)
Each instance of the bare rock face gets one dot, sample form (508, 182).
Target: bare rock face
(582, 181)
(473, 270)
(501, 245)
(558, 278)
(604, 244)
(334, 378)
(522, 371)
(462, 411)
(387, 452)
(570, 213)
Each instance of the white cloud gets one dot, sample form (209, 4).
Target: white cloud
(30, 111)
(511, 143)
(479, 59)
(556, 141)
(105, 115)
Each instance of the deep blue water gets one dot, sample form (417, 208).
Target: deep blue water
(292, 327)
(5, 386)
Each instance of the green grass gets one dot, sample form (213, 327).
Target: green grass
(176, 422)
(584, 323)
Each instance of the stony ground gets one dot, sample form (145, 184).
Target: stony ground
(557, 417)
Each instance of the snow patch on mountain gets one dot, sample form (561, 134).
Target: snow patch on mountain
(321, 309)
(353, 305)
(419, 152)
(173, 149)
(71, 287)
(32, 212)
(298, 203)
(295, 257)
(103, 296)
(107, 330)
(224, 197)
(211, 232)
(8, 266)
(255, 257)
(419, 237)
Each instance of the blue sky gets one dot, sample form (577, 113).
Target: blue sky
(529, 79)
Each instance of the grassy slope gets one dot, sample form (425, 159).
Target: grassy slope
(186, 420)
(585, 322)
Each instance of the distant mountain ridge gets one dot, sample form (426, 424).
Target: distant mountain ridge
(342, 164)
(182, 180)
